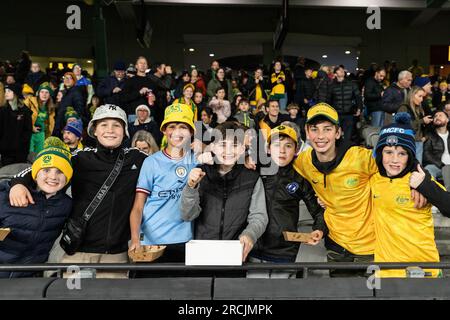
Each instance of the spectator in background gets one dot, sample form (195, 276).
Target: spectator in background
(447, 108)
(130, 72)
(272, 119)
(144, 141)
(43, 116)
(23, 67)
(321, 85)
(35, 77)
(305, 90)
(345, 98)
(278, 85)
(72, 136)
(220, 106)
(425, 84)
(220, 82)
(212, 71)
(198, 82)
(299, 69)
(10, 79)
(243, 115)
(415, 69)
(373, 97)
(418, 117)
(199, 101)
(183, 80)
(162, 82)
(396, 94)
(73, 97)
(95, 103)
(442, 96)
(2, 94)
(296, 117)
(136, 89)
(436, 149)
(27, 91)
(84, 83)
(393, 72)
(186, 98)
(109, 90)
(15, 127)
(257, 87)
(144, 122)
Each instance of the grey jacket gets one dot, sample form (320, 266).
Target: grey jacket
(226, 207)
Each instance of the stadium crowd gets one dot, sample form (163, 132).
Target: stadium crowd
(145, 157)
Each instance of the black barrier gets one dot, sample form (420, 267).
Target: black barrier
(132, 289)
(180, 267)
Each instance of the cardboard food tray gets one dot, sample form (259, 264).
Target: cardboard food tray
(146, 253)
(296, 236)
(4, 232)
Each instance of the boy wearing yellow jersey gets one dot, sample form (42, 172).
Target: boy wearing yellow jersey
(403, 233)
(339, 174)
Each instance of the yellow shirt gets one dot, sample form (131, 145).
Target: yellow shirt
(346, 193)
(278, 89)
(403, 233)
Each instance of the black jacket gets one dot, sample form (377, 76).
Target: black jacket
(34, 229)
(130, 97)
(345, 97)
(227, 203)
(437, 98)
(433, 149)
(284, 190)
(105, 90)
(108, 230)
(321, 87)
(15, 130)
(372, 95)
(251, 88)
(73, 97)
(393, 97)
(305, 90)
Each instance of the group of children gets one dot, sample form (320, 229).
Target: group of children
(370, 197)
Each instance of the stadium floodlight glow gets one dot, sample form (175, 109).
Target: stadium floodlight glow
(211, 54)
(324, 56)
(191, 49)
(347, 52)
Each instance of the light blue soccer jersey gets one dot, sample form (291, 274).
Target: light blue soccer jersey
(163, 180)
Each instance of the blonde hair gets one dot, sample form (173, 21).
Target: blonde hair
(145, 136)
(417, 110)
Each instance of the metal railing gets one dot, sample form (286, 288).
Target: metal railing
(180, 267)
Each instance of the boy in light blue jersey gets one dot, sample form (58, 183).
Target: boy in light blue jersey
(156, 210)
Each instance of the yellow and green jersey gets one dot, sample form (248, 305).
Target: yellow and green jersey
(346, 192)
(403, 233)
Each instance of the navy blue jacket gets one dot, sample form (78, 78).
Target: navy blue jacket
(106, 87)
(34, 229)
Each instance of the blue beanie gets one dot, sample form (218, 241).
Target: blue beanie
(76, 127)
(119, 65)
(398, 133)
(421, 81)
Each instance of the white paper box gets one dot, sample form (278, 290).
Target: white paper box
(214, 253)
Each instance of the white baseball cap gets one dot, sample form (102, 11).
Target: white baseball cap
(108, 111)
